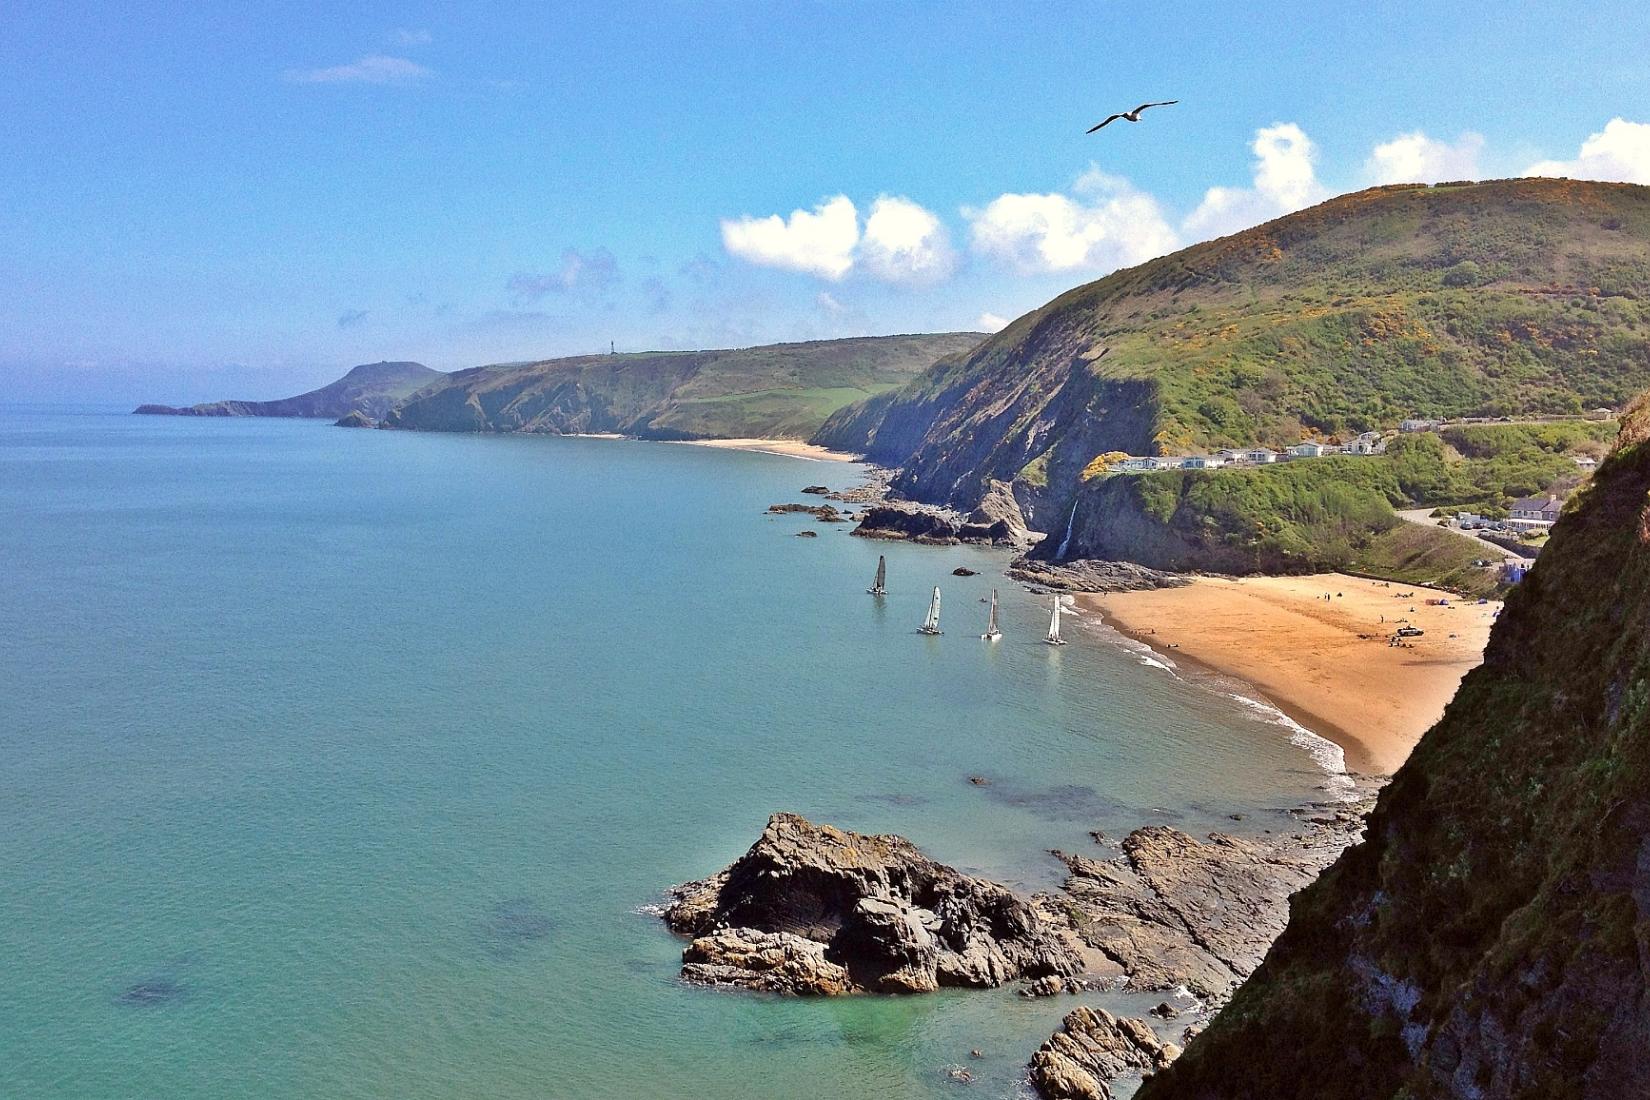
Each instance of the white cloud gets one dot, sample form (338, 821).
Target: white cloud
(1620, 152)
(817, 243)
(905, 243)
(1416, 158)
(827, 301)
(1285, 181)
(990, 322)
(372, 69)
(1110, 225)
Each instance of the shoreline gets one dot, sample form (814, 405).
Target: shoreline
(1325, 665)
(786, 448)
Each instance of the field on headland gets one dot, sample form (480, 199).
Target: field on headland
(1325, 663)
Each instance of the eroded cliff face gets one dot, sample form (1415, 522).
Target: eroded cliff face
(1490, 937)
(1494, 298)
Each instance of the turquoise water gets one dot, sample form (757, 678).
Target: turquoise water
(338, 763)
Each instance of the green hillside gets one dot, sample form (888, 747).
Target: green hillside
(1489, 937)
(1501, 298)
(780, 391)
(371, 389)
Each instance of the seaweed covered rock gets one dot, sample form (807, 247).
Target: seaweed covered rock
(815, 910)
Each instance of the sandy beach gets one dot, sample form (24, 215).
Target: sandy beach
(1326, 664)
(791, 448)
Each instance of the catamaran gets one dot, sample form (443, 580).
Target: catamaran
(877, 587)
(991, 632)
(931, 625)
(1054, 625)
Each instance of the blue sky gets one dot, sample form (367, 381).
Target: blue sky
(222, 201)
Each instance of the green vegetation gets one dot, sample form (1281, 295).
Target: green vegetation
(1513, 297)
(781, 391)
(1299, 517)
(371, 389)
(1489, 931)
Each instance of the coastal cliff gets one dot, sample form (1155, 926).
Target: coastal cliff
(371, 389)
(779, 391)
(1489, 938)
(1502, 298)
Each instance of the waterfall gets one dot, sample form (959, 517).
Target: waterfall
(1065, 543)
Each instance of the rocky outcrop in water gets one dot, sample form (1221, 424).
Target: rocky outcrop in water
(1092, 1049)
(813, 910)
(930, 526)
(822, 512)
(356, 419)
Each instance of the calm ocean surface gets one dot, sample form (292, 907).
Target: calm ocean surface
(338, 763)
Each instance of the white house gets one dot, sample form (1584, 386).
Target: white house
(1535, 511)
(1310, 450)
(1136, 464)
(1259, 456)
(1370, 443)
(1586, 464)
(1202, 462)
(1419, 425)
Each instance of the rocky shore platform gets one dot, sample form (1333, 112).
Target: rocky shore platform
(1091, 575)
(811, 910)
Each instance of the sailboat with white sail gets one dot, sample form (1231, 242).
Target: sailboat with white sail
(879, 586)
(1054, 624)
(931, 625)
(991, 632)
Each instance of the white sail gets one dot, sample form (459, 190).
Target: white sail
(878, 586)
(1054, 625)
(991, 632)
(931, 625)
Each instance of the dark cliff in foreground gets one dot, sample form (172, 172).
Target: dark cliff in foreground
(1507, 297)
(1490, 938)
(778, 391)
(371, 389)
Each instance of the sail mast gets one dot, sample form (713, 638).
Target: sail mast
(931, 625)
(878, 587)
(991, 632)
(1054, 624)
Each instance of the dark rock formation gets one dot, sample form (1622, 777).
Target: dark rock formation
(356, 419)
(817, 490)
(1490, 939)
(807, 534)
(1176, 911)
(964, 571)
(998, 506)
(906, 521)
(930, 526)
(816, 910)
(1092, 1048)
(825, 513)
(1086, 575)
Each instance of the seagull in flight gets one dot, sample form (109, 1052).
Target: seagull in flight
(1132, 116)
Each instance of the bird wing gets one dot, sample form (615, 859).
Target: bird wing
(1165, 103)
(1097, 126)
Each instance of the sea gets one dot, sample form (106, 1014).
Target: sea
(348, 763)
